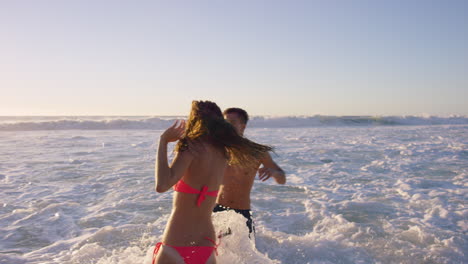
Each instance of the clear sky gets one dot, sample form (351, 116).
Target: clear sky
(330, 57)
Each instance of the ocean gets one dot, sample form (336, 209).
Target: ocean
(359, 189)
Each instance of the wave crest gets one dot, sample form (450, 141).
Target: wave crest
(155, 123)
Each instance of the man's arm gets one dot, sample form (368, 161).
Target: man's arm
(271, 169)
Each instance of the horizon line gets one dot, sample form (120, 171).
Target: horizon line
(254, 115)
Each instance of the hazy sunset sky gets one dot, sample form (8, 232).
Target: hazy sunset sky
(270, 57)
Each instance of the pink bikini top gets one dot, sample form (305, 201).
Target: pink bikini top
(183, 187)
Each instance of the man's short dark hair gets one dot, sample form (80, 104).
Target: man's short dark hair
(241, 112)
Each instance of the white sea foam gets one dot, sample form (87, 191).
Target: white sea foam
(355, 194)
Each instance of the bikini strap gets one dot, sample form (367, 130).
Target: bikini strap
(181, 186)
(155, 252)
(202, 196)
(215, 247)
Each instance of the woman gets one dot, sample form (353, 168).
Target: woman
(207, 143)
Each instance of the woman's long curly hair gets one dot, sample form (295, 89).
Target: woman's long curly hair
(206, 122)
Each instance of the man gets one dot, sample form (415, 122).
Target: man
(234, 193)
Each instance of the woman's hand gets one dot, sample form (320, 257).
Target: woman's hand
(175, 132)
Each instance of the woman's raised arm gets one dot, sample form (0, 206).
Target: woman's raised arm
(166, 176)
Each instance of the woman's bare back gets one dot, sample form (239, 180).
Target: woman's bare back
(189, 224)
